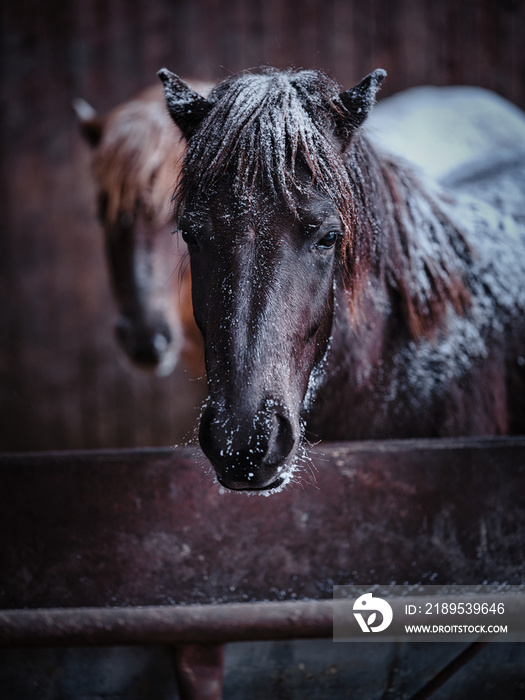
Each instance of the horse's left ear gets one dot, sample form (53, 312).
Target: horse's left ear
(360, 99)
(186, 107)
(91, 125)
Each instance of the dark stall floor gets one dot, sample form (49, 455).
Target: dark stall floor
(302, 670)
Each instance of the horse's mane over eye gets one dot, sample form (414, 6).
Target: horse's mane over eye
(272, 129)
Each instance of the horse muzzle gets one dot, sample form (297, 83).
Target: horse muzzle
(249, 453)
(149, 345)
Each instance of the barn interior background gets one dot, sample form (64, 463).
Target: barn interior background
(63, 381)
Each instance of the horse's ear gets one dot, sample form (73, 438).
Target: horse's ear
(186, 107)
(360, 99)
(90, 123)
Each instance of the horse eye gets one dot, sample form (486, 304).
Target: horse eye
(188, 239)
(328, 241)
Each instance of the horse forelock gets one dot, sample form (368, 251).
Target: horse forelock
(272, 130)
(138, 160)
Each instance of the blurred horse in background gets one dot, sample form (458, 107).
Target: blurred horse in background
(137, 155)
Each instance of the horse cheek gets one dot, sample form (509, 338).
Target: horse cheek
(198, 295)
(321, 309)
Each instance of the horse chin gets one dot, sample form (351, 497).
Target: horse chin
(276, 486)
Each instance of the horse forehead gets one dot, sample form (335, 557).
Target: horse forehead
(223, 216)
(261, 211)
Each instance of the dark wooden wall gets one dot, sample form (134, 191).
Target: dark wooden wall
(63, 381)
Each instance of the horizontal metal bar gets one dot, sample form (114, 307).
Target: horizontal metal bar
(228, 622)
(231, 622)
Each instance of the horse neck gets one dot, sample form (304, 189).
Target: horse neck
(405, 241)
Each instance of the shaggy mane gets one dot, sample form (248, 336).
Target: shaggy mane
(405, 234)
(138, 158)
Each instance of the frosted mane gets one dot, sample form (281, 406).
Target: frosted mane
(268, 128)
(406, 235)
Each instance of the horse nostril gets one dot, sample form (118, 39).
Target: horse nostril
(145, 355)
(123, 331)
(208, 443)
(282, 441)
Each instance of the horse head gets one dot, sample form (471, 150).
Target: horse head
(136, 153)
(265, 208)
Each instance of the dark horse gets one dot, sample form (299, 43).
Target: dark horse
(340, 294)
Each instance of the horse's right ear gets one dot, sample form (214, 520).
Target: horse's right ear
(90, 123)
(186, 107)
(359, 101)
